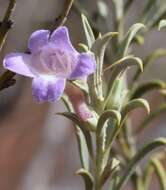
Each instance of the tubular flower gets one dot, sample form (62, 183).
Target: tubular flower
(52, 61)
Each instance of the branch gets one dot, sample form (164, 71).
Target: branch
(59, 21)
(6, 23)
(7, 80)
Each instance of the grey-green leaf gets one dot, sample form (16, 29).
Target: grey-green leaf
(98, 48)
(88, 178)
(105, 116)
(160, 172)
(120, 66)
(146, 87)
(153, 12)
(150, 59)
(83, 138)
(155, 165)
(139, 156)
(119, 6)
(162, 24)
(123, 49)
(88, 31)
(153, 115)
(135, 104)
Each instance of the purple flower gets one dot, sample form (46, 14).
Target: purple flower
(52, 61)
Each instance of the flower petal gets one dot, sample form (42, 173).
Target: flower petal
(17, 63)
(60, 37)
(46, 89)
(86, 65)
(38, 39)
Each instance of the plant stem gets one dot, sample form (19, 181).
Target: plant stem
(59, 21)
(6, 23)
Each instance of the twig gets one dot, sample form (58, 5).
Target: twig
(7, 80)
(59, 21)
(6, 23)
(11, 7)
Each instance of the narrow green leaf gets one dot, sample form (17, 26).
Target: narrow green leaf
(146, 87)
(116, 94)
(101, 136)
(88, 178)
(155, 165)
(83, 148)
(135, 103)
(105, 116)
(139, 156)
(162, 24)
(153, 115)
(150, 59)
(123, 50)
(160, 171)
(120, 66)
(102, 8)
(83, 137)
(111, 168)
(147, 176)
(88, 31)
(153, 12)
(139, 39)
(73, 117)
(118, 4)
(98, 48)
(125, 62)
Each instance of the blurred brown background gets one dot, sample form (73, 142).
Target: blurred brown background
(38, 149)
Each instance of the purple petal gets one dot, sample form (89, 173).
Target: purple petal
(60, 37)
(38, 39)
(17, 63)
(47, 89)
(86, 65)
